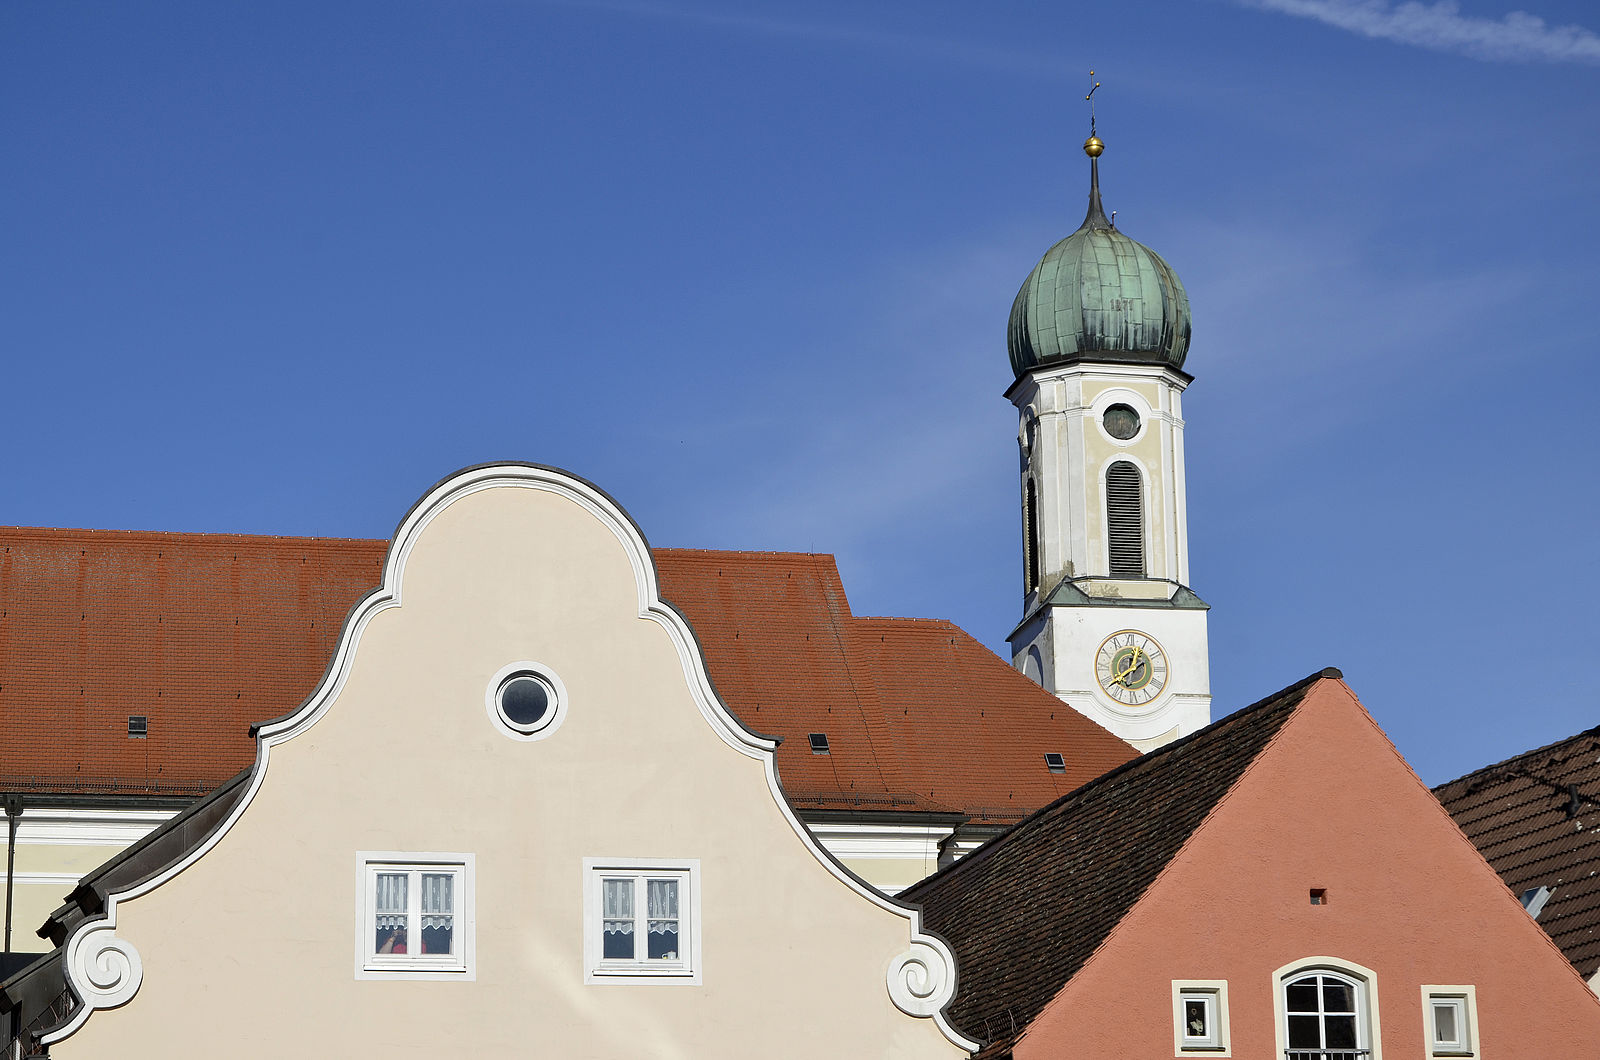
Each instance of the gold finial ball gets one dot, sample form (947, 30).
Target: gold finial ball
(1093, 146)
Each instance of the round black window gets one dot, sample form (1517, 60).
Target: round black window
(1121, 422)
(524, 700)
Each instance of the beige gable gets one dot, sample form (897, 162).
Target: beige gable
(257, 946)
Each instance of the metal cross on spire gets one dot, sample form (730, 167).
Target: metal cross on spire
(1093, 146)
(1093, 84)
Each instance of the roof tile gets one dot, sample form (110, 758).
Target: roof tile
(206, 634)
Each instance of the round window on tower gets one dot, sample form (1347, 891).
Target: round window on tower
(1028, 436)
(1121, 421)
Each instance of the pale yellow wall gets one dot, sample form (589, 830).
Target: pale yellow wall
(249, 953)
(33, 899)
(31, 903)
(892, 875)
(1099, 450)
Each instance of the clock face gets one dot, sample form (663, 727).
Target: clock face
(1131, 667)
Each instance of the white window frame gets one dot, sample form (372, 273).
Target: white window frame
(553, 716)
(1368, 1025)
(1464, 999)
(460, 965)
(1214, 994)
(686, 970)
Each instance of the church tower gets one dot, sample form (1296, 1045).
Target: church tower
(1097, 338)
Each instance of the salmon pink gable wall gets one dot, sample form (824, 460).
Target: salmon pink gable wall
(1328, 804)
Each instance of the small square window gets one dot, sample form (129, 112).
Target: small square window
(819, 742)
(1200, 1017)
(138, 726)
(1319, 896)
(1450, 1016)
(415, 917)
(641, 921)
(1055, 762)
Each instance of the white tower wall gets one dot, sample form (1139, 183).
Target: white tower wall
(1076, 604)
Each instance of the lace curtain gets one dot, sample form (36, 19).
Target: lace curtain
(391, 900)
(438, 899)
(617, 907)
(662, 905)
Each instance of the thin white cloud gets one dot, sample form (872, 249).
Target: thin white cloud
(1441, 26)
(970, 53)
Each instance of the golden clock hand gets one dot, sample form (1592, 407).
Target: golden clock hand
(1133, 664)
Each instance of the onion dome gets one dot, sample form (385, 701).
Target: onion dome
(1098, 296)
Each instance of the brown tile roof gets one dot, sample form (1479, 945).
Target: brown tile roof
(1027, 909)
(1536, 820)
(206, 634)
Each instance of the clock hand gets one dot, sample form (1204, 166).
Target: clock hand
(1133, 664)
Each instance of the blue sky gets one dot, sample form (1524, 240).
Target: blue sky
(276, 268)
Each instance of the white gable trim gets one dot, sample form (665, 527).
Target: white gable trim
(106, 971)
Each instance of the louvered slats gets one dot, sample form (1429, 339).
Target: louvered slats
(1030, 510)
(1125, 520)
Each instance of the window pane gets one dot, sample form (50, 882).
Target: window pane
(1302, 995)
(438, 911)
(436, 938)
(1304, 1033)
(617, 899)
(392, 893)
(1444, 1023)
(1337, 996)
(1341, 1031)
(617, 944)
(662, 899)
(1195, 1023)
(438, 893)
(663, 942)
(390, 908)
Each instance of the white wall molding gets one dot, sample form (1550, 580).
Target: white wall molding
(63, 827)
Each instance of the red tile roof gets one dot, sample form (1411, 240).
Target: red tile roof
(201, 634)
(204, 634)
(918, 714)
(1536, 820)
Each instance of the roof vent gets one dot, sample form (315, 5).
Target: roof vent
(1054, 762)
(1533, 900)
(819, 742)
(138, 726)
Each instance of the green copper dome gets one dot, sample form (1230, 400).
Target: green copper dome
(1099, 296)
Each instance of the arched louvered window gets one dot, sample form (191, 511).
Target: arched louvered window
(1030, 544)
(1125, 520)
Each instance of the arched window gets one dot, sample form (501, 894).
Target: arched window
(1125, 519)
(1030, 546)
(1325, 1015)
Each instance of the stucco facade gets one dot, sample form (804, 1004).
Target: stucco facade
(253, 944)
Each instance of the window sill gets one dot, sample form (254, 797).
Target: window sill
(448, 965)
(644, 971)
(643, 974)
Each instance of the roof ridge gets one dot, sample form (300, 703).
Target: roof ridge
(1501, 765)
(881, 736)
(687, 552)
(71, 532)
(908, 620)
